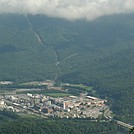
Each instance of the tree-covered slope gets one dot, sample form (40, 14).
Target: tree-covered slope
(22, 57)
(60, 126)
(11, 123)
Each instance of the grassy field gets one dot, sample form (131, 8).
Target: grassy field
(2, 91)
(88, 88)
(58, 94)
(23, 115)
(53, 93)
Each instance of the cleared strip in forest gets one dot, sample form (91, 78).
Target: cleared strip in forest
(38, 37)
(69, 57)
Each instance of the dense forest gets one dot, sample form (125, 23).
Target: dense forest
(10, 123)
(99, 53)
(55, 126)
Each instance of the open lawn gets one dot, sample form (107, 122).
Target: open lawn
(88, 88)
(23, 115)
(53, 93)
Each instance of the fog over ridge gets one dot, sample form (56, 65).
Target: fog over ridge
(68, 9)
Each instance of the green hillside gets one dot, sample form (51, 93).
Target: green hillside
(99, 53)
(11, 123)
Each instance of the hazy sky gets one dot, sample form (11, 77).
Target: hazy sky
(69, 9)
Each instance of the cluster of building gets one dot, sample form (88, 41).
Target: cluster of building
(82, 106)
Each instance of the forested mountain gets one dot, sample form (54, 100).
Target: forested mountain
(99, 53)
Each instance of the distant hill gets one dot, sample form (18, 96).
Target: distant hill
(99, 53)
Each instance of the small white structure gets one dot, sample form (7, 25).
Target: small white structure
(2, 104)
(29, 95)
(6, 82)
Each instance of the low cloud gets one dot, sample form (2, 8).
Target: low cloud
(68, 9)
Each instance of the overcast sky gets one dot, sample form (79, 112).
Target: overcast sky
(69, 9)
